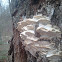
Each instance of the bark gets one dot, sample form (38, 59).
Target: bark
(28, 8)
(16, 48)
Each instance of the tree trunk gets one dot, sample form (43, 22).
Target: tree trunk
(28, 8)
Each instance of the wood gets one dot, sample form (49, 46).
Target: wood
(35, 46)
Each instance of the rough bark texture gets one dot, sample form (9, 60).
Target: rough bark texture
(16, 48)
(27, 8)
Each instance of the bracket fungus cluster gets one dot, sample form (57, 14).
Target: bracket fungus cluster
(40, 36)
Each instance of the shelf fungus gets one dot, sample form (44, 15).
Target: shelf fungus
(48, 43)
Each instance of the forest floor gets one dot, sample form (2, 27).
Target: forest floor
(4, 46)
